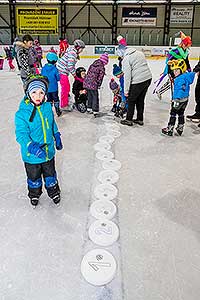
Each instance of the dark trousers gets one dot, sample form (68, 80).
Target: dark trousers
(137, 93)
(34, 179)
(177, 108)
(197, 96)
(93, 100)
(54, 99)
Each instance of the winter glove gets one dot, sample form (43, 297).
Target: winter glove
(197, 68)
(36, 149)
(59, 145)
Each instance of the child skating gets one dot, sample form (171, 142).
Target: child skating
(51, 72)
(180, 96)
(37, 132)
(93, 82)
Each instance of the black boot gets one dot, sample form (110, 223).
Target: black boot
(126, 122)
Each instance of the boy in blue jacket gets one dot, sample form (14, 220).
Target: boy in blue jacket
(36, 132)
(180, 95)
(51, 72)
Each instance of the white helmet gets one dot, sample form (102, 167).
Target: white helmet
(79, 44)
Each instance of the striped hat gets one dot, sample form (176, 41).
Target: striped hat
(104, 58)
(35, 85)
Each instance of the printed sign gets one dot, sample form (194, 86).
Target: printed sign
(103, 49)
(139, 16)
(37, 21)
(180, 15)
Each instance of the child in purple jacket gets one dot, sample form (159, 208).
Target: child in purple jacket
(93, 81)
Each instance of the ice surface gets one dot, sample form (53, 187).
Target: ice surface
(159, 212)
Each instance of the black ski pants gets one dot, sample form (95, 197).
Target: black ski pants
(93, 100)
(34, 179)
(137, 93)
(177, 108)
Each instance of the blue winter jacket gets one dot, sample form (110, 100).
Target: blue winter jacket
(51, 72)
(182, 85)
(41, 130)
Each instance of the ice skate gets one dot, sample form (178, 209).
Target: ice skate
(56, 199)
(168, 131)
(34, 201)
(179, 129)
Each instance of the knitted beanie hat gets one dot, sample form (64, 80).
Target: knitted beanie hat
(113, 84)
(35, 85)
(121, 40)
(117, 70)
(104, 58)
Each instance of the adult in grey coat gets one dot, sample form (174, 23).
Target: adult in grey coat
(137, 79)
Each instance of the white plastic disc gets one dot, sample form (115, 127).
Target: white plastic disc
(103, 209)
(98, 267)
(103, 232)
(105, 191)
(108, 176)
(102, 146)
(112, 126)
(104, 155)
(112, 164)
(114, 133)
(106, 138)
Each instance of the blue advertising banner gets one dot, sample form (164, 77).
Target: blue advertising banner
(139, 16)
(103, 49)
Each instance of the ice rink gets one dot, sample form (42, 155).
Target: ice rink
(158, 201)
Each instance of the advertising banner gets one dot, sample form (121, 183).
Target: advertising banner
(139, 16)
(181, 15)
(37, 21)
(103, 49)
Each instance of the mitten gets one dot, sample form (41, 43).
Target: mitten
(59, 145)
(197, 68)
(36, 149)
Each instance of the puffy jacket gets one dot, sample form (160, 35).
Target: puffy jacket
(182, 85)
(51, 72)
(41, 130)
(66, 64)
(25, 60)
(135, 68)
(95, 75)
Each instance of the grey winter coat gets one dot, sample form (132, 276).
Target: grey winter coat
(25, 60)
(135, 68)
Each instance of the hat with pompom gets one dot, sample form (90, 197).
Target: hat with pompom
(121, 40)
(113, 84)
(117, 70)
(104, 58)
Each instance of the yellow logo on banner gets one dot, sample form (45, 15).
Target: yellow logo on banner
(38, 21)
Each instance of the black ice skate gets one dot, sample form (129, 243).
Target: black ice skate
(168, 130)
(56, 199)
(179, 129)
(34, 201)
(58, 112)
(194, 118)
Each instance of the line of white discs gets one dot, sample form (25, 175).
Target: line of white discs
(99, 266)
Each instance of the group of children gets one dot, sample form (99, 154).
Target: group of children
(36, 128)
